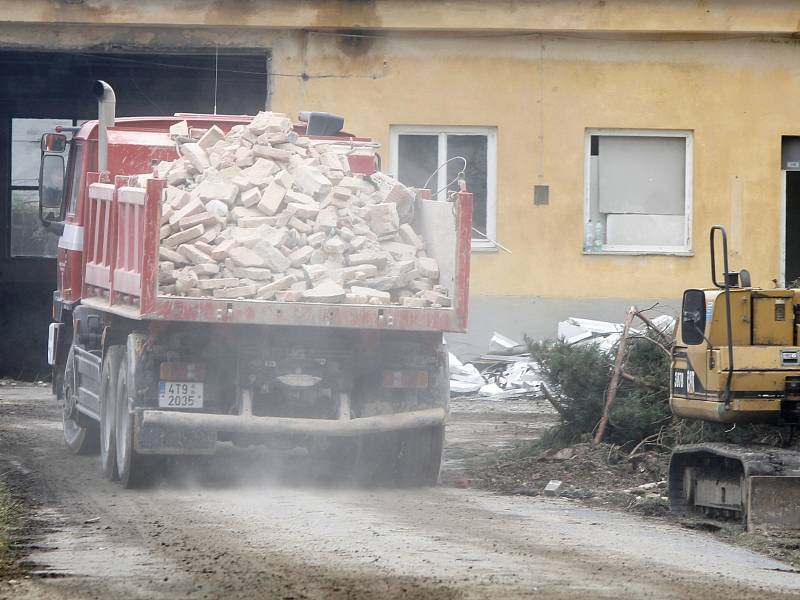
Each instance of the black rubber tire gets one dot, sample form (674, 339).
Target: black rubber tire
(400, 459)
(133, 468)
(81, 436)
(420, 457)
(108, 390)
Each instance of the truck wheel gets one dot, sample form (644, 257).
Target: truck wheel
(108, 390)
(419, 457)
(81, 436)
(131, 467)
(401, 459)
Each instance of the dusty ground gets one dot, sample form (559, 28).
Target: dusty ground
(228, 539)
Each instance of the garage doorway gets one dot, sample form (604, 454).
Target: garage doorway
(45, 89)
(790, 183)
(41, 89)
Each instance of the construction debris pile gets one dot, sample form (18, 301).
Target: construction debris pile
(505, 371)
(262, 213)
(604, 334)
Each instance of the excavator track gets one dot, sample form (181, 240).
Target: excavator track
(757, 485)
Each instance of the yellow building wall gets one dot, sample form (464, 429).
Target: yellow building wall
(541, 73)
(542, 92)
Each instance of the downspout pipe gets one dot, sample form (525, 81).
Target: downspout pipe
(106, 109)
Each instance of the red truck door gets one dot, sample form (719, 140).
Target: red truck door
(70, 245)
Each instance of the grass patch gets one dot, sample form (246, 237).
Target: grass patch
(10, 521)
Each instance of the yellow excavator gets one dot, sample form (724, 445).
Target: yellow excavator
(736, 360)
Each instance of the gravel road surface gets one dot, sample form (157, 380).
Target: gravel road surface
(270, 533)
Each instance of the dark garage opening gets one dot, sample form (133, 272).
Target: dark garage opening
(792, 265)
(39, 90)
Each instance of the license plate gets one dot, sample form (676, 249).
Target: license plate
(180, 394)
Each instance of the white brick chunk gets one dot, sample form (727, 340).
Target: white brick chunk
(250, 197)
(268, 291)
(272, 198)
(254, 273)
(428, 267)
(272, 258)
(192, 207)
(436, 298)
(212, 135)
(245, 257)
(383, 219)
(187, 235)
(224, 191)
(180, 129)
(242, 291)
(373, 258)
(193, 254)
(301, 256)
(369, 294)
(410, 236)
(196, 156)
(326, 291)
(220, 252)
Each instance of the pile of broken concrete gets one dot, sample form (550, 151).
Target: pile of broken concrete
(261, 213)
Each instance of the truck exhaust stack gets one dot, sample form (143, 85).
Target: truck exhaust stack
(106, 109)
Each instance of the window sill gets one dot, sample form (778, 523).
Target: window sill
(483, 246)
(639, 252)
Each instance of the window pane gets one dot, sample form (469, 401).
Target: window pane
(28, 236)
(25, 136)
(76, 158)
(642, 175)
(417, 160)
(473, 149)
(638, 191)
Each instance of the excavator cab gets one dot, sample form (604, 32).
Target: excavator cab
(736, 360)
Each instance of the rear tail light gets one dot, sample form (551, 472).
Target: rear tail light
(405, 379)
(181, 371)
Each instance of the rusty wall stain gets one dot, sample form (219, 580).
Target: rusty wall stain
(354, 13)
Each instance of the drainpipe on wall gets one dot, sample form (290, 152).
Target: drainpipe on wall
(106, 109)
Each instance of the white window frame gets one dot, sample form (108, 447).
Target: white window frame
(442, 131)
(688, 136)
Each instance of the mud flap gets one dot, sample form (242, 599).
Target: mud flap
(773, 504)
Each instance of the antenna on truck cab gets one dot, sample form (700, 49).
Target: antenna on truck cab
(216, 74)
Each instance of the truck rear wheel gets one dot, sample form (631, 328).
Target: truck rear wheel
(400, 459)
(131, 467)
(80, 435)
(108, 389)
(419, 457)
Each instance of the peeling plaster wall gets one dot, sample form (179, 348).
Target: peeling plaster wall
(541, 72)
(675, 16)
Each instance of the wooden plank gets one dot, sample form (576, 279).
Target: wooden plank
(464, 204)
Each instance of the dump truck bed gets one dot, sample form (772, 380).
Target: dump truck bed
(121, 269)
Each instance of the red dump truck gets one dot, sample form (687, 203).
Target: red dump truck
(143, 375)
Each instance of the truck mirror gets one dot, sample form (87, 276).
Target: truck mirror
(693, 317)
(53, 142)
(51, 187)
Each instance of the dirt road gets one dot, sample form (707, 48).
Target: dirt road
(207, 535)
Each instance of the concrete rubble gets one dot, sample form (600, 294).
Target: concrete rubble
(262, 213)
(553, 487)
(604, 334)
(506, 371)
